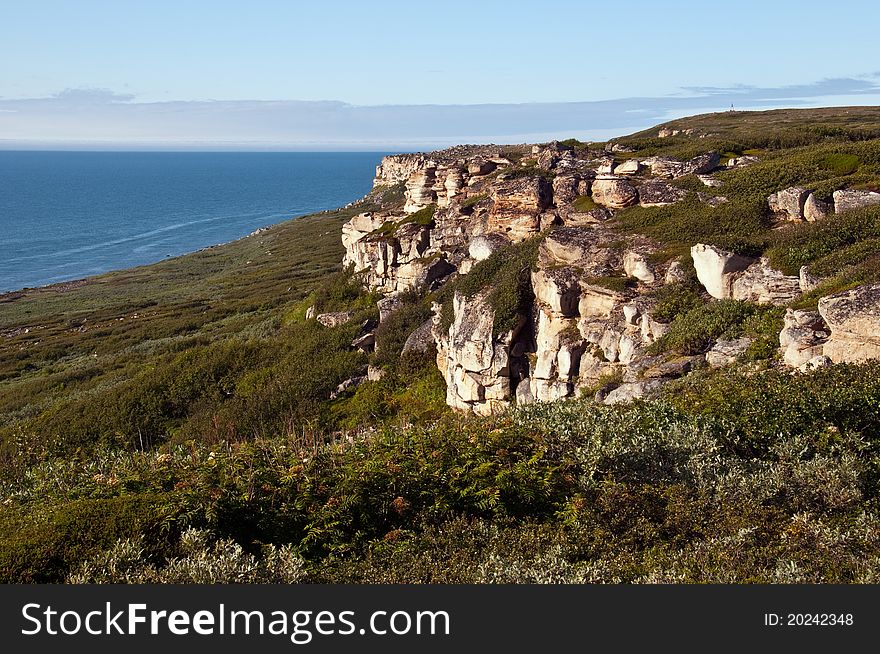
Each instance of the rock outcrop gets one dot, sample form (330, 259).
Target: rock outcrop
(717, 269)
(853, 318)
(591, 323)
(847, 200)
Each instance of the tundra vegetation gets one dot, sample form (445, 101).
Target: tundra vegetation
(173, 423)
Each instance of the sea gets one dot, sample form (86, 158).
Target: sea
(68, 215)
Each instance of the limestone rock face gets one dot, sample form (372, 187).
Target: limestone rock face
(614, 192)
(789, 203)
(657, 193)
(717, 269)
(802, 337)
(517, 206)
(854, 320)
(475, 362)
(762, 284)
(420, 189)
(397, 168)
(848, 200)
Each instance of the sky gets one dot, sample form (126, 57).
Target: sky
(359, 75)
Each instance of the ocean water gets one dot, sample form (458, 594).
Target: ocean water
(67, 215)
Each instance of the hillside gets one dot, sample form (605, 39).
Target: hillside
(647, 360)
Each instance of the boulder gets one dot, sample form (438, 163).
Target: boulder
(481, 166)
(565, 189)
(807, 281)
(586, 218)
(789, 203)
(710, 181)
(614, 192)
(802, 337)
(672, 369)
(568, 245)
(657, 193)
(420, 340)
(847, 200)
(387, 306)
(815, 209)
(853, 318)
(762, 284)
(717, 269)
(558, 289)
(636, 265)
(365, 342)
(632, 391)
(628, 167)
(334, 319)
(725, 352)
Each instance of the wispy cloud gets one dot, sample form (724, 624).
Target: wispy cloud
(103, 118)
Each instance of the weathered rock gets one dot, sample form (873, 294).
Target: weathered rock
(847, 200)
(310, 313)
(632, 391)
(481, 166)
(397, 168)
(348, 384)
(725, 352)
(762, 284)
(628, 167)
(789, 203)
(375, 373)
(614, 193)
(557, 288)
(420, 191)
(420, 340)
(565, 189)
(710, 181)
(672, 168)
(657, 193)
(524, 392)
(807, 281)
(387, 306)
(636, 265)
(745, 160)
(365, 342)
(482, 247)
(802, 337)
(717, 269)
(586, 218)
(674, 368)
(334, 319)
(815, 209)
(473, 360)
(854, 320)
(517, 206)
(421, 273)
(568, 245)
(676, 273)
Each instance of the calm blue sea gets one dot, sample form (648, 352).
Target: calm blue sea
(66, 215)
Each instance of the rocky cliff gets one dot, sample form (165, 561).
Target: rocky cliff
(591, 321)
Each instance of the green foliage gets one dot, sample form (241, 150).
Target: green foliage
(841, 164)
(506, 276)
(826, 242)
(584, 203)
(694, 331)
(674, 300)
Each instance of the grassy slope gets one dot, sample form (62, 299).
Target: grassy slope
(219, 374)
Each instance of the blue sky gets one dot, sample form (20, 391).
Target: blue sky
(266, 74)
